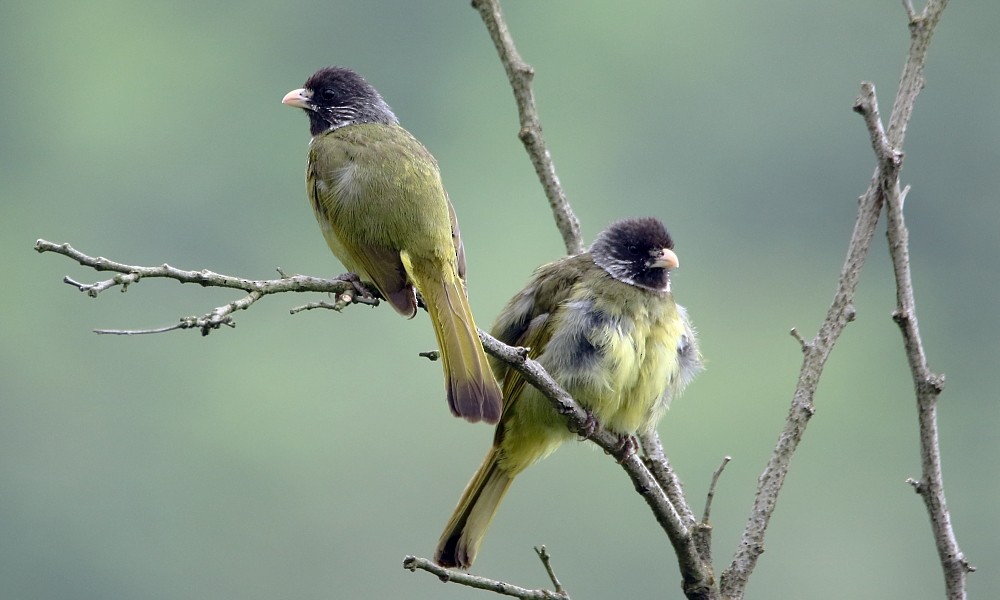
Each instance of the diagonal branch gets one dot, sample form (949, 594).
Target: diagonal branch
(698, 578)
(658, 464)
(520, 74)
(815, 353)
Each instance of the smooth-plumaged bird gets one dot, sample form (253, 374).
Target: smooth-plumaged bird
(379, 200)
(605, 325)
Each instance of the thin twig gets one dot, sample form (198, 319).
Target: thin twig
(702, 530)
(711, 488)
(343, 301)
(181, 325)
(412, 563)
(546, 559)
(520, 75)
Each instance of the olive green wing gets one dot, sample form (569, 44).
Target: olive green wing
(526, 320)
(365, 183)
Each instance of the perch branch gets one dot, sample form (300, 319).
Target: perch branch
(127, 275)
(520, 75)
(887, 146)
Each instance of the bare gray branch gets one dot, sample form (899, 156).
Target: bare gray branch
(520, 75)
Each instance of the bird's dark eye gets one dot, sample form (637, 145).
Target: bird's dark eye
(633, 249)
(328, 94)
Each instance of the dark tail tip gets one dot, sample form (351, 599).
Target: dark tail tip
(475, 401)
(448, 555)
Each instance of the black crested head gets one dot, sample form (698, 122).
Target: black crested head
(638, 252)
(335, 97)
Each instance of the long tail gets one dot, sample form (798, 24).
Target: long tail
(473, 392)
(467, 527)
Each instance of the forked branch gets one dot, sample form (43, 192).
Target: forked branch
(883, 190)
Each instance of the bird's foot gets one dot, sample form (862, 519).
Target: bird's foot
(626, 447)
(359, 288)
(588, 428)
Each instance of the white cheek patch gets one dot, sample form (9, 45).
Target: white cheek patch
(620, 270)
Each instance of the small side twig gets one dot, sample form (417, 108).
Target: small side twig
(711, 488)
(343, 301)
(520, 75)
(803, 344)
(412, 563)
(546, 559)
(183, 324)
(702, 530)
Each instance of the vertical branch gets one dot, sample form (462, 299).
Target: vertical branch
(520, 75)
(928, 387)
(927, 384)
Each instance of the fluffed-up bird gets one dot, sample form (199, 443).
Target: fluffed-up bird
(605, 325)
(379, 200)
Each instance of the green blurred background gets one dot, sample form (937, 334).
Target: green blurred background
(303, 456)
